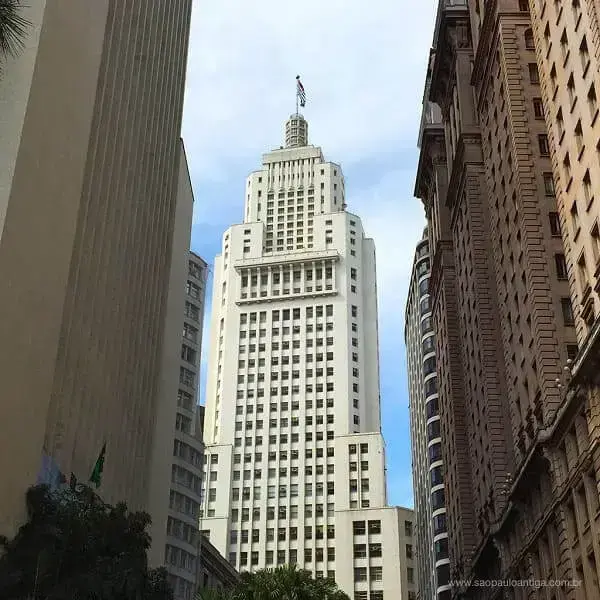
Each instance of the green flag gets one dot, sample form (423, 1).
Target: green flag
(96, 476)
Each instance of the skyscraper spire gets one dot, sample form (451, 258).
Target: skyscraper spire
(296, 131)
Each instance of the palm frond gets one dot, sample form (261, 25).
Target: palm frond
(13, 27)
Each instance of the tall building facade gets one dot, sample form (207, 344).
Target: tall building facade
(500, 297)
(425, 426)
(183, 534)
(89, 147)
(294, 454)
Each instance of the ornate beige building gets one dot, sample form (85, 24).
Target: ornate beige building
(518, 416)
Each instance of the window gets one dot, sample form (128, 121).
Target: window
(592, 101)
(534, 76)
(360, 574)
(438, 499)
(575, 219)
(579, 137)
(375, 550)
(572, 350)
(441, 549)
(187, 377)
(588, 191)
(584, 54)
(549, 185)
(374, 527)
(358, 528)
(571, 90)
(439, 524)
(410, 577)
(408, 528)
(561, 266)
(376, 573)
(543, 145)
(538, 108)
(529, 42)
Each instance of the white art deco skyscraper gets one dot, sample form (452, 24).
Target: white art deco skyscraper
(295, 467)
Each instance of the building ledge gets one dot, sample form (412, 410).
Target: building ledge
(286, 259)
(290, 296)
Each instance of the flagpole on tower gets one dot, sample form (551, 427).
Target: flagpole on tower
(300, 94)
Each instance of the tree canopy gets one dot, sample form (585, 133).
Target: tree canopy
(282, 583)
(75, 547)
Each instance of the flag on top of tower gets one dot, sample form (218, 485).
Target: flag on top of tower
(300, 91)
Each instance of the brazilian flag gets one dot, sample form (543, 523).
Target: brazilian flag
(96, 476)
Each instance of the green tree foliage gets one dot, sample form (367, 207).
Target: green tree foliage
(283, 583)
(12, 27)
(74, 547)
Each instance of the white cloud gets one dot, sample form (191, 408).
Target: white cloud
(362, 63)
(395, 222)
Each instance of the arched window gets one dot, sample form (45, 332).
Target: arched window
(529, 42)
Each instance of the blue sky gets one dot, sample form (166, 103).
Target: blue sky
(363, 67)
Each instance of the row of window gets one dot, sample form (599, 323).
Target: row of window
(376, 595)
(291, 313)
(374, 550)
(281, 559)
(285, 422)
(286, 330)
(282, 512)
(251, 349)
(180, 558)
(360, 527)
(284, 438)
(321, 532)
(284, 405)
(273, 491)
(375, 573)
(182, 476)
(287, 276)
(187, 453)
(182, 531)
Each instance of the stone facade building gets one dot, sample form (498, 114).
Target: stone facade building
(521, 483)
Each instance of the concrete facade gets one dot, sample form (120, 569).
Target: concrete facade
(186, 449)
(89, 149)
(294, 450)
(167, 405)
(425, 426)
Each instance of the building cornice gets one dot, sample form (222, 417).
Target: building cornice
(432, 133)
(452, 34)
(470, 136)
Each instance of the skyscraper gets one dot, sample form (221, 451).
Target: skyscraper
(89, 154)
(428, 466)
(500, 299)
(182, 543)
(295, 465)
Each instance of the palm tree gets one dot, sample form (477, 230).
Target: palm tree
(13, 27)
(212, 594)
(285, 583)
